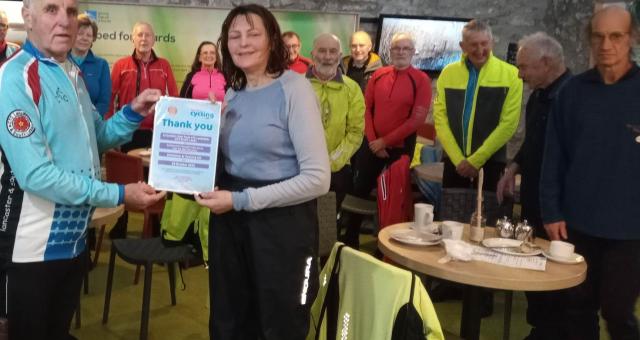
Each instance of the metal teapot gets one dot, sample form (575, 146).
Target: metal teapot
(524, 232)
(505, 228)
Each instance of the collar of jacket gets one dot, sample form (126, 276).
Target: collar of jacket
(335, 82)
(151, 60)
(593, 75)
(31, 49)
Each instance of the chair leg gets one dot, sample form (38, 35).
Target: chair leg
(508, 301)
(107, 293)
(98, 246)
(79, 313)
(146, 233)
(146, 299)
(85, 283)
(136, 277)
(171, 269)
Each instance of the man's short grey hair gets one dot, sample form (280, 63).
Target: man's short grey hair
(3, 14)
(476, 25)
(142, 23)
(542, 45)
(327, 35)
(403, 36)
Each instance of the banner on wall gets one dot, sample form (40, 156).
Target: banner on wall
(179, 30)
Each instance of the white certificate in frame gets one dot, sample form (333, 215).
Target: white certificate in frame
(184, 149)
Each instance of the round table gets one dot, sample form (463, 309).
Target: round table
(101, 217)
(476, 274)
(146, 158)
(430, 171)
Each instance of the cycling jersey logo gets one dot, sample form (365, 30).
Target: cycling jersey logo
(19, 124)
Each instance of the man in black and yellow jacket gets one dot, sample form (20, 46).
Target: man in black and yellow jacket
(476, 111)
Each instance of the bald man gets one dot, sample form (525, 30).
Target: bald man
(6, 48)
(362, 62)
(589, 189)
(51, 182)
(397, 101)
(342, 109)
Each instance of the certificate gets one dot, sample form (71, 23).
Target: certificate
(185, 145)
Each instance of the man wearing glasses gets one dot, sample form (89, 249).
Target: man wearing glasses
(6, 48)
(397, 100)
(589, 190)
(297, 63)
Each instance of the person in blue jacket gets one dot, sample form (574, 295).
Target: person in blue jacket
(50, 172)
(95, 70)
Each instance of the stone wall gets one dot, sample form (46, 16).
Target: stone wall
(565, 19)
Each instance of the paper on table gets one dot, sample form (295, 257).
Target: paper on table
(525, 262)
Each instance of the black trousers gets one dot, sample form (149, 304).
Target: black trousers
(492, 172)
(612, 286)
(341, 184)
(546, 309)
(42, 297)
(263, 277)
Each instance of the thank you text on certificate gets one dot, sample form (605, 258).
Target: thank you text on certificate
(185, 145)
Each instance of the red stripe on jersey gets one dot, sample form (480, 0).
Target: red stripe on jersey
(33, 79)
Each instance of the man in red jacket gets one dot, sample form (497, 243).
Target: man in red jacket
(137, 72)
(297, 62)
(397, 100)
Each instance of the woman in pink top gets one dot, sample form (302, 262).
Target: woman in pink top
(204, 77)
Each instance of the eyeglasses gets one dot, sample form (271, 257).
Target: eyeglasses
(397, 49)
(614, 37)
(292, 46)
(4, 26)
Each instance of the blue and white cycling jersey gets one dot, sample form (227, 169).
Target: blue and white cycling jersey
(49, 158)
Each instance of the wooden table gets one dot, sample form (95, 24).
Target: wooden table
(101, 217)
(430, 171)
(476, 274)
(136, 153)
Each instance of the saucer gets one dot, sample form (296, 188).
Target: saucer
(434, 228)
(573, 259)
(415, 238)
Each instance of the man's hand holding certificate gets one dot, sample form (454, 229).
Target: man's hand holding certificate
(185, 145)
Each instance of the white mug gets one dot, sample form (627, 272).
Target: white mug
(452, 230)
(561, 249)
(423, 217)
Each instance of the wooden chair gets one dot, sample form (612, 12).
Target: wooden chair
(124, 169)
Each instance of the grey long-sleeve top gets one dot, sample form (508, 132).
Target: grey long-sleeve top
(274, 133)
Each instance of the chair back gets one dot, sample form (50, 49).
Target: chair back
(122, 168)
(458, 204)
(327, 223)
(427, 131)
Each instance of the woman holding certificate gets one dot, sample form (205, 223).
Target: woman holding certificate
(263, 233)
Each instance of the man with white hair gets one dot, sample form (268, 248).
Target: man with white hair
(476, 111)
(397, 101)
(540, 62)
(50, 180)
(342, 109)
(6, 48)
(362, 62)
(137, 72)
(589, 188)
